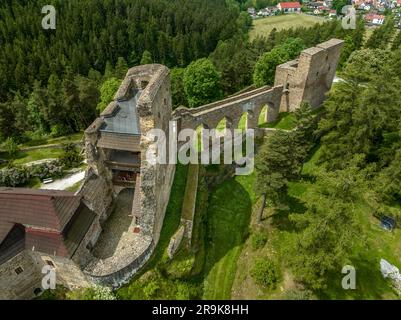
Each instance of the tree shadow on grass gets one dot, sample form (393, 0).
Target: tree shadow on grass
(227, 226)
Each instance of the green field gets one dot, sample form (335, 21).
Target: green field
(262, 27)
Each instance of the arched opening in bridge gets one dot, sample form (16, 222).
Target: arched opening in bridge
(200, 144)
(243, 121)
(222, 125)
(263, 116)
(225, 123)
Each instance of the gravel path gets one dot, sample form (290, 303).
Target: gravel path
(64, 183)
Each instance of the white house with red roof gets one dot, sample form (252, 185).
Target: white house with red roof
(376, 19)
(289, 7)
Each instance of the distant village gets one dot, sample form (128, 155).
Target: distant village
(374, 11)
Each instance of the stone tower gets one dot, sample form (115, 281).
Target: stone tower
(309, 77)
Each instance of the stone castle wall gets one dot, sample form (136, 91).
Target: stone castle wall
(308, 78)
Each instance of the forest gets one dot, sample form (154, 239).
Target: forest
(55, 82)
(50, 79)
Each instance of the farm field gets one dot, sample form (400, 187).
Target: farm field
(262, 27)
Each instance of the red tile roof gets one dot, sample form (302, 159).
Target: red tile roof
(373, 16)
(290, 5)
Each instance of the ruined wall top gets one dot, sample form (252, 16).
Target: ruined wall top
(309, 77)
(148, 78)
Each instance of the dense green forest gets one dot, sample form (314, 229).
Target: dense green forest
(49, 79)
(54, 82)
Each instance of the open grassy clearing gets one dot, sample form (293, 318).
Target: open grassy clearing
(219, 265)
(44, 141)
(262, 27)
(24, 157)
(51, 149)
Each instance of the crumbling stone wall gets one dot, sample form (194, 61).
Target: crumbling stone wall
(154, 109)
(308, 78)
(28, 283)
(19, 286)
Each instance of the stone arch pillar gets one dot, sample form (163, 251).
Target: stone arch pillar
(252, 120)
(272, 112)
(235, 122)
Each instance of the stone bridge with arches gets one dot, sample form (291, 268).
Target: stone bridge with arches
(232, 109)
(306, 79)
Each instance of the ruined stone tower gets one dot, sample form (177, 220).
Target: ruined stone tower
(309, 77)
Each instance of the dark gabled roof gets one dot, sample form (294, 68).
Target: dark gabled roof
(13, 244)
(65, 243)
(48, 209)
(52, 222)
(77, 228)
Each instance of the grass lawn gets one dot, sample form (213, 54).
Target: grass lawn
(229, 214)
(23, 157)
(190, 192)
(368, 33)
(75, 137)
(262, 27)
(285, 121)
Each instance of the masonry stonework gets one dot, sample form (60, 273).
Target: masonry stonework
(309, 77)
(116, 145)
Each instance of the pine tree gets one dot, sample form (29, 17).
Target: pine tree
(146, 57)
(121, 68)
(277, 162)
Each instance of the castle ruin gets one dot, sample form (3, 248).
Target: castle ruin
(118, 175)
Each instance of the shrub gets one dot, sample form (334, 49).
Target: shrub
(11, 147)
(46, 170)
(59, 130)
(20, 176)
(258, 240)
(298, 294)
(14, 177)
(94, 293)
(265, 273)
(70, 158)
(151, 289)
